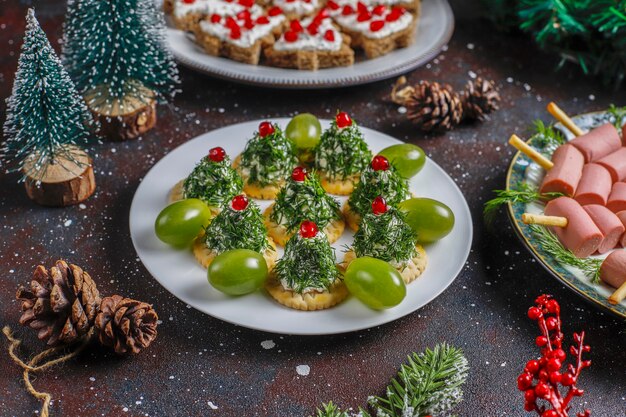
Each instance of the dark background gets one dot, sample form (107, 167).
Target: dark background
(197, 360)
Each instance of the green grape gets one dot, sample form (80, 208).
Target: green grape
(179, 223)
(238, 271)
(376, 283)
(304, 130)
(430, 219)
(408, 159)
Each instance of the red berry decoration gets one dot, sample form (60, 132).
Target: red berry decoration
(332, 5)
(296, 26)
(189, 1)
(239, 202)
(308, 229)
(363, 17)
(246, 3)
(217, 154)
(343, 120)
(274, 11)
(379, 206)
(329, 35)
(380, 163)
(291, 36)
(215, 18)
(262, 20)
(298, 174)
(243, 15)
(235, 33)
(347, 10)
(361, 7)
(231, 23)
(265, 129)
(547, 390)
(377, 25)
(313, 28)
(379, 10)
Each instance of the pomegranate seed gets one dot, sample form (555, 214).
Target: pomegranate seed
(189, 1)
(235, 33)
(347, 10)
(231, 23)
(379, 10)
(295, 26)
(217, 154)
(239, 202)
(312, 29)
(265, 129)
(291, 36)
(380, 163)
(246, 3)
(379, 206)
(362, 8)
(298, 174)
(262, 20)
(363, 17)
(377, 25)
(332, 5)
(290, 1)
(329, 35)
(243, 15)
(323, 14)
(274, 11)
(343, 120)
(308, 229)
(215, 18)
(249, 24)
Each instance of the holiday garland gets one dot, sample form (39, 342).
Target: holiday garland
(588, 33)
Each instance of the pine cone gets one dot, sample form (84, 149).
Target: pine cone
(126, 325)
(61, 304)
(480, 98)
(434, 107)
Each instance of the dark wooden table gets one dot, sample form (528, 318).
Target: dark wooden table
(198, 363)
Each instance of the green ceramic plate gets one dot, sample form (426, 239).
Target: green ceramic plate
(522, 169)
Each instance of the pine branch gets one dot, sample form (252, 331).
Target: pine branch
(546, 137)
(525, 194)
(332, 410)
(550, 243)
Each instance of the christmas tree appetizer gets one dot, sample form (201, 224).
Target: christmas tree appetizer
(380, 178)
(306, 277)
(213, 181)
(238, 226)
(266, 162)
(46, 118)
(385, 235)
(341, 155)
(114, 51)
(303, 198)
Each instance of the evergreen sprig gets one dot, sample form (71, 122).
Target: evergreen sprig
(268, 160)
(430, 383)
(213, 182)
(524, 194)
(385, 236)
(617, 116)
(546, 137)
(549, 242)
(232, 229)
(308, 263)
(304, 200)
(342, 153)
(388, 184)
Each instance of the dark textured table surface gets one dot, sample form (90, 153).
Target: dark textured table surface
(202, 366)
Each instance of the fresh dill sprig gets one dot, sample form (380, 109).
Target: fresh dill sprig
(304, 200)
(342, 153)
(549, 242)
(232, 229)
(388, 184)
(268, 160)
(332, 410)
(307, 263)
(213, 182)
(546, 137)
(524, 194)
(385, 236)
(617, 116)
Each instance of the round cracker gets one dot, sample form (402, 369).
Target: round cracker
(205, 255)
(333, 230)
(352, 219)
(309, 301)
(339, 187)
(177, 193)
(413, 269)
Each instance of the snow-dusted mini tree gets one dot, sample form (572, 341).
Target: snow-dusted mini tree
(46, 121)
(115, 52)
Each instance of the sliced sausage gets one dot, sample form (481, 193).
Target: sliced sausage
(598, 142)
(564, 176)
(581, 235)
(609, 224)
(613, 269)
(594, 186)
(622, 216)
(615, 163)
(617, 198)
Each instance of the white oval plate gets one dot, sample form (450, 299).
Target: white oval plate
(180, 274)
(434, 30)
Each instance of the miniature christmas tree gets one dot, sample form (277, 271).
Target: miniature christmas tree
(114, 50)
(46, 119)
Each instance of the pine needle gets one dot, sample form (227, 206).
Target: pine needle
(524, 194)
(550, 244)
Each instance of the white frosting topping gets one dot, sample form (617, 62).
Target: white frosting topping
(209, 7)
(370, 3)
(299, 7)
(247, 36)
(312, 42)
(351, 22)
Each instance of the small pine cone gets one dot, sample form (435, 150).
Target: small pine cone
(126, 325)
(481, 97)
(434, 107)
(61, 303)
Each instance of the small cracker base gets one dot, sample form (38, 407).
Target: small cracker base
(267, 192)
(177, 193)
(279, 234)
(411, 271)
(352, 219)
(205, 255)
(339, 187)
(308, 301)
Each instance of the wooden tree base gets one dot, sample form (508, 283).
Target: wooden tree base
(65, 182)
(123, 119)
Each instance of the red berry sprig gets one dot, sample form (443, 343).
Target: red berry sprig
(217, 154)
(239, 202)
(266, 129)
(308, 229)
(298, 174)
(543, 378)
(343, 120)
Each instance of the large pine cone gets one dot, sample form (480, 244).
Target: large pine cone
(126, 325)
(481, 97)
(61, 304)
(434, 107)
